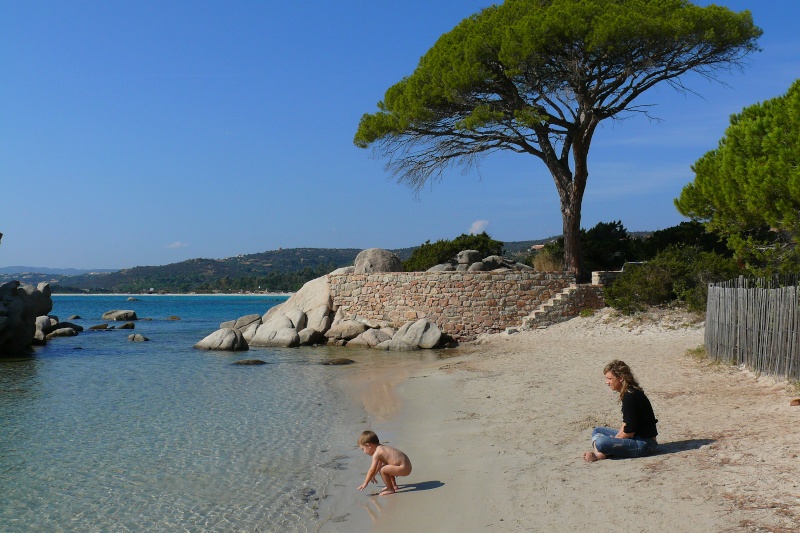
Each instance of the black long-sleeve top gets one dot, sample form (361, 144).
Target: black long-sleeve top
(637, 413)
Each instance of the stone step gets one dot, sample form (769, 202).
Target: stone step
(557, 309)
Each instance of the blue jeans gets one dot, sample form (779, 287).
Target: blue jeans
(605, 442)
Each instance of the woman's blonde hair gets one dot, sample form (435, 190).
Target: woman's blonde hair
(623, 373)
(368, 437)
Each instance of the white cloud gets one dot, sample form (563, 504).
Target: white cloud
(176, 244)
(478, 226)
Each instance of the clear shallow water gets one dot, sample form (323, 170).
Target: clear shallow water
(103, 434)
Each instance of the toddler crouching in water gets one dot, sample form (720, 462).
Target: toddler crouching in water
(390, 462)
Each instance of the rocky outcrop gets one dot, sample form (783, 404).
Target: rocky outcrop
(370, 338)
(308, 316)
(396, 345)
(377, 260)
(278, 338)
(120, 315)
(225, 339)
(137, 337)
(473, 261)
(422, 333)
(468, 257)
(313, 299)
(242, 323)
(20, 305)
(61, 332)
(310, 336)
(60, 325)
(346, 330)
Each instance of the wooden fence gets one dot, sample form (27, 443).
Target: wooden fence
(755, 323)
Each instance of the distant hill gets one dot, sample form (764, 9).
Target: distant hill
(53, 271)
(285, 269)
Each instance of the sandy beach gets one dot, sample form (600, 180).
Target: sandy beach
(496, 435)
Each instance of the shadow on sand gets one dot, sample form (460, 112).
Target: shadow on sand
(423, 485)
(678, 446)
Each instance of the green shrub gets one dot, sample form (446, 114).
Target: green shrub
(691, 233)
(606, 246)
(428, 255)
(677, 274)
(550, 258)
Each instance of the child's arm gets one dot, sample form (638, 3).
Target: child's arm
(373, 471)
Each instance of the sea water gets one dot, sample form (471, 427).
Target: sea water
(98, 433)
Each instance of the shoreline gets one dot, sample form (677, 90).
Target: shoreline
(497, 432)
(373, 387)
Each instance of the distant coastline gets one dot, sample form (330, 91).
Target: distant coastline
(204, 295)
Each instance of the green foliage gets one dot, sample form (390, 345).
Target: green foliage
(464, 82)
(690, 233)
(442, 251)
(748, 189)
(680, 273)
(521, 76)
(606, 246)
(272, 282)
(700, 353)
(550, 258)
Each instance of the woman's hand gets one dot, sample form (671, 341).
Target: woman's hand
(622, 435)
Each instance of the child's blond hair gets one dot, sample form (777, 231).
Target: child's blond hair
(368, 437)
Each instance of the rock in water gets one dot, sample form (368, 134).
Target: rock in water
(20, 305)
(120, 315)
(338, 361)
(226, 339)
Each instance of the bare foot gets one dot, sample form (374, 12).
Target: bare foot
(386, 492)
(591, 457)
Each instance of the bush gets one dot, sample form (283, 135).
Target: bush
(550, 258)
(428, 255)
(606, 246)
(691, 233)
(678, 274)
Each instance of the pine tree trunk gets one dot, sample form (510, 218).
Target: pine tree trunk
(571, 220)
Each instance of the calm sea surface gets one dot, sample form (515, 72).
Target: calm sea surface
(102, 434)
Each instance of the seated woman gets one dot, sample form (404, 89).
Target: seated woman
(637, 436)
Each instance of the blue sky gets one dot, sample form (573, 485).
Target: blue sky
(147, 133)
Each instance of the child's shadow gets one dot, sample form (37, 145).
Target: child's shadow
(422, 485)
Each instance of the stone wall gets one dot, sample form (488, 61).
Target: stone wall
(604, 278)
(462, 304)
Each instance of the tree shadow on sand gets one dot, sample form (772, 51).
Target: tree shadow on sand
(678, 446)
(423, 485)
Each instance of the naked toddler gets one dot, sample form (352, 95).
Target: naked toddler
(390, 462)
